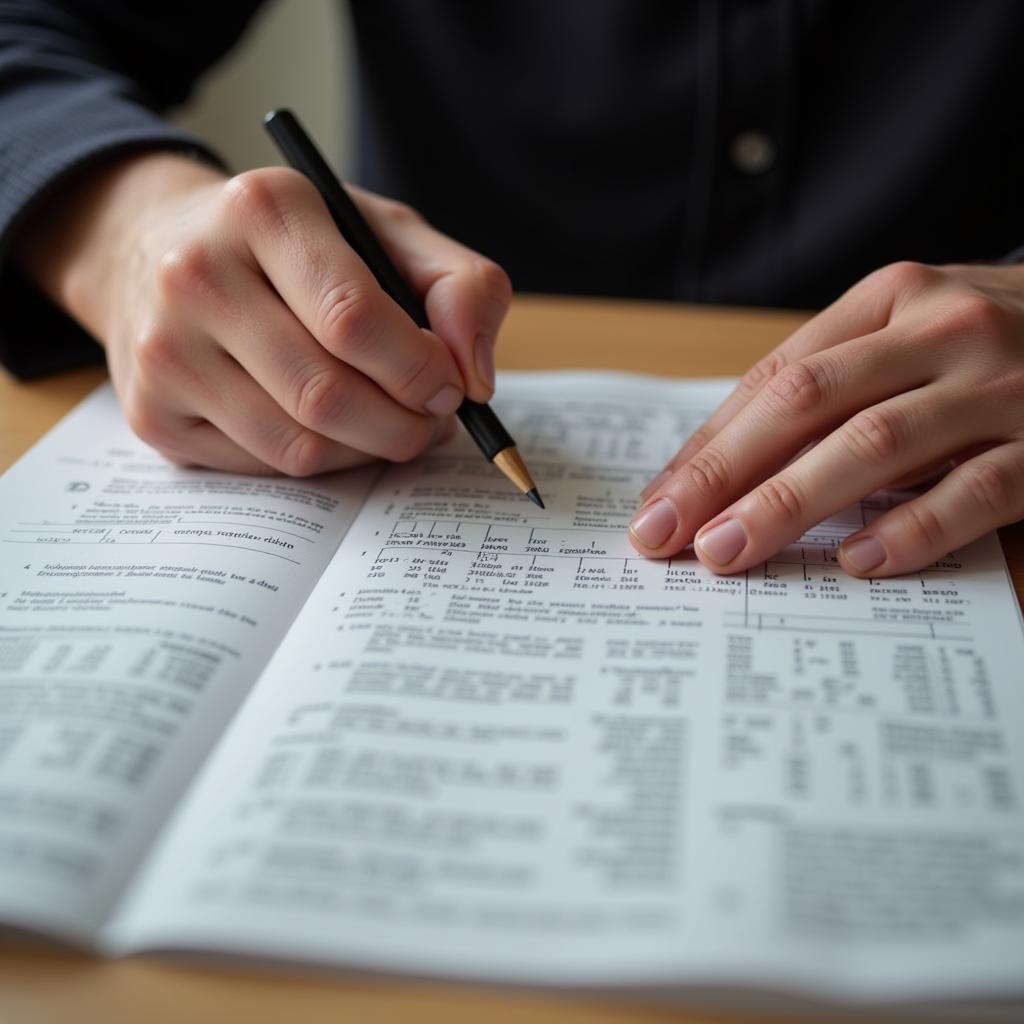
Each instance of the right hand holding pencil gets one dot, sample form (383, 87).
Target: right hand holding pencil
(244, 334)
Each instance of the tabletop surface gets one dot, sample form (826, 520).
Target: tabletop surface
(39, 985)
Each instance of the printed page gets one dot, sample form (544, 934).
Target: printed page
(498, 744)
(138, 604)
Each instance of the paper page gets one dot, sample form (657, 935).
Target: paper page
(499, 744)
(138, 603)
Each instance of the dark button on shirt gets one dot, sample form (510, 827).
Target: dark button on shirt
(767, 152)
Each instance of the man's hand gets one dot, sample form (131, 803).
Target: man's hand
(916, 373)
(243, 333)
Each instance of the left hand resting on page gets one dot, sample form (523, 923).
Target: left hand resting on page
(917, 372)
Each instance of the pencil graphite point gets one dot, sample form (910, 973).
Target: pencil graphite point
(535, 497)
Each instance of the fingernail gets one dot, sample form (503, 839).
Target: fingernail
(864, 553)
(722, 543)
(483, 349)
(652, 526)
(655, 483)
(445, 402)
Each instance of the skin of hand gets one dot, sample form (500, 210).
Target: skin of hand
(916, 373)
(244, 334)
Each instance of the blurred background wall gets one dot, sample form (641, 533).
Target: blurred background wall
(297, 53)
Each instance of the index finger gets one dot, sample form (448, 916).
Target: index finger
(466, 294)
(862, 310)
(806, 400)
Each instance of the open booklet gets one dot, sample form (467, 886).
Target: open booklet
(401, 719)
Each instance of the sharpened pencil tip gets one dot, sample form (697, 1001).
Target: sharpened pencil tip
(535, 497)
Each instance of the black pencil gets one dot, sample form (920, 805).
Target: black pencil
(478, 418)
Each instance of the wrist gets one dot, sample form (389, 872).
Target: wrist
(76, 246)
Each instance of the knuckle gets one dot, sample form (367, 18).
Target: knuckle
(801, 387)
(346, 318)
(875, 436)
(992, 486)
(977, 314)
(157, 353)
(708, 473)
(907, 275)
(922, 527)
(145, 423)
(319, 401)
(187, 269)
(781, 499)
(761, 372)
(248, 195)
(409, 384)
(495, 282)
(300, 452)
(264, 195)
(396, 211)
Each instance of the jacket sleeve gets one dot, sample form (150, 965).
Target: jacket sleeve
(82, 80)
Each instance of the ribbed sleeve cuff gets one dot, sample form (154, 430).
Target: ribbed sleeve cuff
(76, 128)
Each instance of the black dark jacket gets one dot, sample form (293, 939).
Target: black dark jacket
(762, 152)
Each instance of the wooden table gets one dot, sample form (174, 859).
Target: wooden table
(48, 986)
